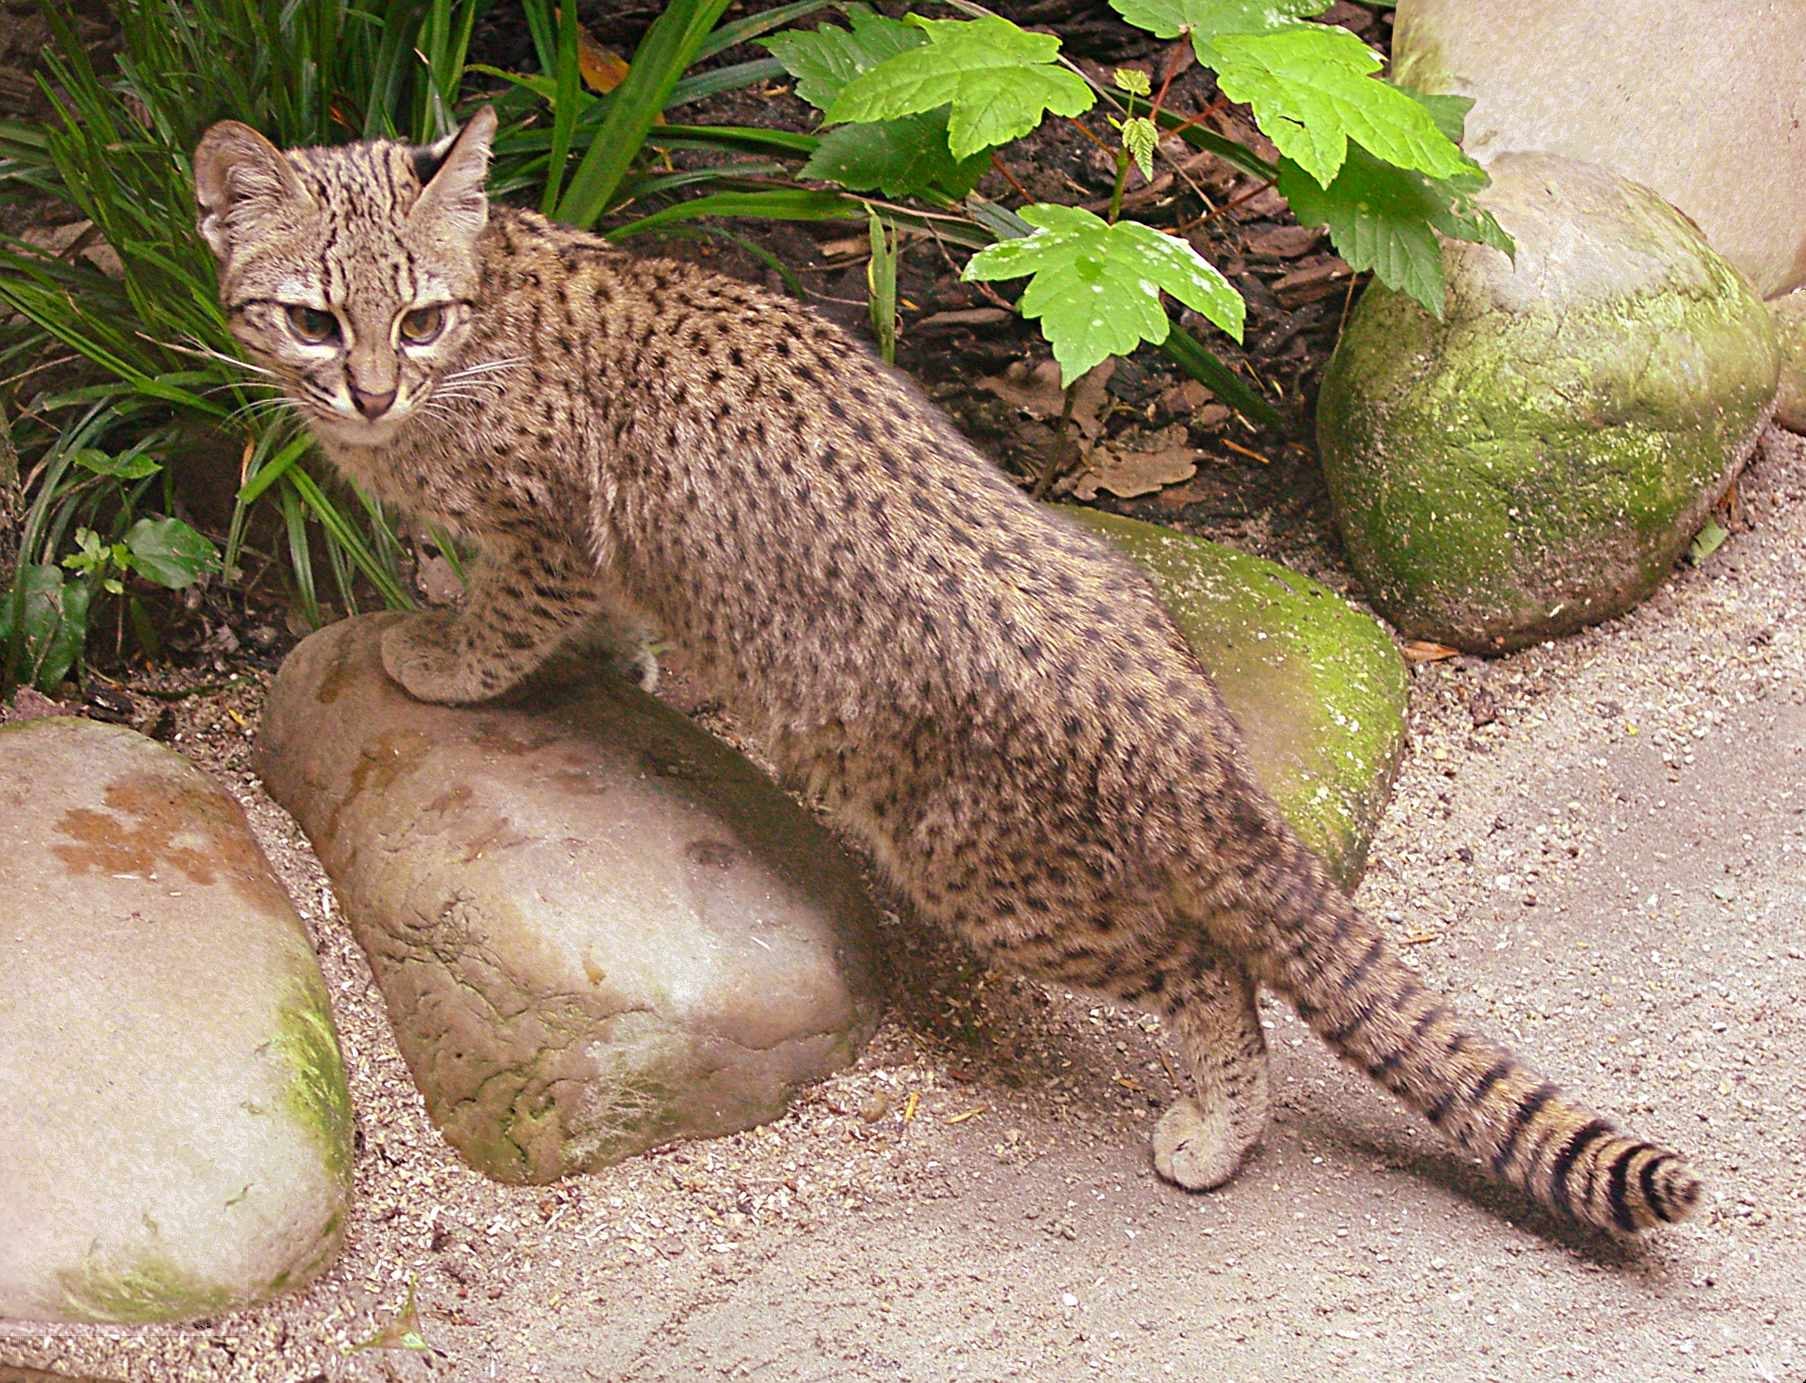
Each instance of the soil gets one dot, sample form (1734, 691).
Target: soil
(1596, 846)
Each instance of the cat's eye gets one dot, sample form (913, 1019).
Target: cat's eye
(312, 325)
(422, 325)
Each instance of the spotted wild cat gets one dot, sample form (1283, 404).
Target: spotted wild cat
(992, 701)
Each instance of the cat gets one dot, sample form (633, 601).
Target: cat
(991, 701)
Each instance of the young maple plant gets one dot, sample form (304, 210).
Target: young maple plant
(916, 108)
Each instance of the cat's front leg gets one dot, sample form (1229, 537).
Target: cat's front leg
(520, 605)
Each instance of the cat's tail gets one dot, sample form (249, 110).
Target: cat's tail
(1336, 968)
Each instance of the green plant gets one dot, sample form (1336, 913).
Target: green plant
(158, 366)
(1376, 164)
(914, 113)
(50, 607)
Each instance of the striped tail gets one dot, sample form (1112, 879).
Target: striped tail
(1345, 980)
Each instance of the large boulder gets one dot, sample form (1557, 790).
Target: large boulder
(178, 1133)
(1317, 687)
(1538, 459)
(1790, 328)
(596, 928)
(1703, 105)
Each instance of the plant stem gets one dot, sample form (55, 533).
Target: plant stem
(1122, 178)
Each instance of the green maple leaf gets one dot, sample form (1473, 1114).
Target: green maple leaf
(1311, 86)
(1312, 90)
(899, 157)
(1205, 19)
(824, 60)
(1383, 218)
(1096, 286)
(999, 80)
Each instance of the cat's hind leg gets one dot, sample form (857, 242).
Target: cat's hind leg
(1203, 1139)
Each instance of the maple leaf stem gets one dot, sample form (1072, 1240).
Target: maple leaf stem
(1085, 130)
(1056, 454)
(1174, 65)
(1236, 201)
(1122, 178)
(1009, 177)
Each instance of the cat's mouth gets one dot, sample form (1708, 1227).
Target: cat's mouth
(344, 423)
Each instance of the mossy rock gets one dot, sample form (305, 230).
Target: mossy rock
(1789, 312)
(180, 1138)
(1538, 459)
(1316, 686)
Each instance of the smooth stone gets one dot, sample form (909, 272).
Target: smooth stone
(1789, 312)
(178, 1131)
(596, 928)
(1703, 105)
(1317, 686)
(1538, 459)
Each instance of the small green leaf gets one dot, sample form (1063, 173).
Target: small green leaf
(1096, 287)
(169, 552)
(1205, 19)
(999, 79)
(1312, 90)
(132, 465)
(400, 1331)
(1132, 80)
(1139, 136)
(1707, 541)
(53, 623)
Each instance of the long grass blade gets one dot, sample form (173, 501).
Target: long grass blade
(666, 50)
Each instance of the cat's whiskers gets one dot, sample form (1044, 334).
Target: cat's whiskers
(201, 351)
(257, 407)
(484, 367)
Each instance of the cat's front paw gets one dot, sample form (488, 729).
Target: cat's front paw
(423, 655)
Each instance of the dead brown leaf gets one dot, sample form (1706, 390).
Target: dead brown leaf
(1424, 651)
(1036, 391)
(1127, 474)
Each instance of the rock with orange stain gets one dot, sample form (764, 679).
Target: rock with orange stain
(178, 1132)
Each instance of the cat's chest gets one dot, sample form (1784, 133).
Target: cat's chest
(494, 473)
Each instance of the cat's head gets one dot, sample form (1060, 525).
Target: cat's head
(348, 271)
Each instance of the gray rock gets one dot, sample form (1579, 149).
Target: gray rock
(1539, 458)
(1789, 312)
(1316, 685)
(1708, 107)
(177, 1133)
(596, 928)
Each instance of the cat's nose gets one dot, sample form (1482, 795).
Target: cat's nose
(372, 406)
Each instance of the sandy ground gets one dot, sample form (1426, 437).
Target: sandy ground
(1599, 846)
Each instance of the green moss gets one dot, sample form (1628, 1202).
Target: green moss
(316, 1094)
(147, 1290)
(1506, 475)
(1316, 686)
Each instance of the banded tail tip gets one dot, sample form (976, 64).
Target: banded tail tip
(1622, 1184)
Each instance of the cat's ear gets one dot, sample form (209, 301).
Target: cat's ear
(453, 171)
(241, 179)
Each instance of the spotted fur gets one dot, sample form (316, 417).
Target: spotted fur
(991, 700)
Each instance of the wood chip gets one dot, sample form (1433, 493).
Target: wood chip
(961, 317)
